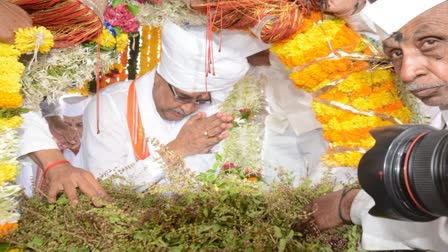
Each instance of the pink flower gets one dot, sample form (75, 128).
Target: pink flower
(121, 17)
(131, 26)
(227, 166)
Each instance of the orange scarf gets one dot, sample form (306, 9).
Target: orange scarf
(135, 126)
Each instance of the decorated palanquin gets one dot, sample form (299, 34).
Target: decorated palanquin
(352, 85)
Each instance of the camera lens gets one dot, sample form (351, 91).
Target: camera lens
(406, 172)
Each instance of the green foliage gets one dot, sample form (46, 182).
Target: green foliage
(224, 213)
(10, 112)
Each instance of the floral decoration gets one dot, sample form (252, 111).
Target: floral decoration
(351, 94)
(121, 16)
(241, 150)
(30, 39)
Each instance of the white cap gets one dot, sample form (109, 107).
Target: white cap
(391, 15)
(74, 105)
(182, 63)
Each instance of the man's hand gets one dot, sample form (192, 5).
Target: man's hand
(201, 133)
(345, 8)
(325, 209)
(66, 137)
(67, 178)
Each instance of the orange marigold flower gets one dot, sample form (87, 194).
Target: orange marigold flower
(7, 228)
(10, 100)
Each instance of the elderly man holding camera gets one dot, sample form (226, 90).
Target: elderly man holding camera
(415, 37)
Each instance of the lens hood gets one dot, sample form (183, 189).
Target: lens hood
(383, 172)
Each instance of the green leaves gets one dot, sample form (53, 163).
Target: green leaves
(115, 3)
(224, 214)
(133, 9)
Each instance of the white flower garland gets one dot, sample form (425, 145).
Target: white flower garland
(59, 70)
(243, 146)
(175, 10)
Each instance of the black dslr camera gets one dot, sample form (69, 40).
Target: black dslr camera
(406, 172)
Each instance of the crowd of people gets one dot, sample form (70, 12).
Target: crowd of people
(177, 106)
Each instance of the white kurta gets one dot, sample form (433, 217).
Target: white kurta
(293, 136)
(35, 136)
(111, 149)
(387, 234)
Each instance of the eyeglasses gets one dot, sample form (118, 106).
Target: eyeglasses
(187, 99)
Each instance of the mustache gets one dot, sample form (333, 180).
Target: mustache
(414, 86)
(180, 111)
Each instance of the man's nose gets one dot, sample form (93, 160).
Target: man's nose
(412, 67)
(189, 108)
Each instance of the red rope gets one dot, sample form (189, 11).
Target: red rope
(97, 78)
(71, 22)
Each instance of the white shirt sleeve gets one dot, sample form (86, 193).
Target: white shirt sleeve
(109, 152)
(388, 234)
(35, 134)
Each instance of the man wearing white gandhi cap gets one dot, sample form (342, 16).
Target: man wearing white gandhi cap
(415, 38)
(72, 114)
(174, 104)
(31, 177)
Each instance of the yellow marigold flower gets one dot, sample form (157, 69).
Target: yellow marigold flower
(308, 46)
(106, 39)
(10, 100)
(9, 50)
(348, 159)
(10, 74)
(28, 39)
(8, 172)
(122, 42)
(10, 122)
(117, 66)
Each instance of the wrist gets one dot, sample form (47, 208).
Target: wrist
(52, 165)
(175, 148)
(346, 203)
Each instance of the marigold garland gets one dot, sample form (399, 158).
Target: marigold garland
(351, 97)
(33, 39)
(319, 74)
(106, 39)
(10, 122)
(313, 44)
(150, 48)
(8, 172)
(30, 39)
(11, 70)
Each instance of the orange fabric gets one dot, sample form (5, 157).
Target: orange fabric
(135, 126)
